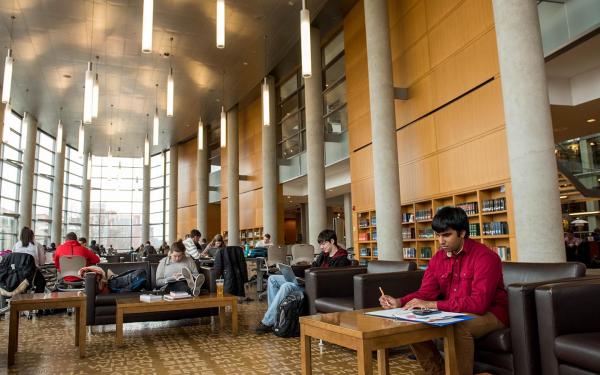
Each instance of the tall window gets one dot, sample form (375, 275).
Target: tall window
(158, 173)
(116, 202)
(10, 177)
(290, 98)
(42, 187)
(73, 185)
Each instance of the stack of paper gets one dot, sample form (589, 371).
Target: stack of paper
(177, 295)
(442, 318)
(150, 297)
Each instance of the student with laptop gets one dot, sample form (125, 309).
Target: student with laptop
(280, 286)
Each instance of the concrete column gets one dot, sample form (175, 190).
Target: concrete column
(85, 197)
(348, 219)
(315, 144)
(57, 194)
(269, 168)
(536, 203)
(383, 128)
(146, 204)
(202, 182)
(304, 222)
(173, 178)
(233, 178)
(26, 194)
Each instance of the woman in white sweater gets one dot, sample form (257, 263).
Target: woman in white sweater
(27, 244)
(176, 269)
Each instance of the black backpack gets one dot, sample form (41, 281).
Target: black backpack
(287, 323)
(130, 281)
(15, 268)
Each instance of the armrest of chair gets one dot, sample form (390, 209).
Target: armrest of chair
(90, 298)
(397, 284)
(565, 308)
(524, 325)
(329, 282)
(210, 277)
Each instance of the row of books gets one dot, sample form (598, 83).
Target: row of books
(474, 230)
(426, 234)
(409, 252)
(423, 214)
(408, 233)
(366, 252)
(364, 236)
(426, 252)
(492, 205)
(495, 228)
(408, 217)
(471, 208)
(503, 252)
(363, 223)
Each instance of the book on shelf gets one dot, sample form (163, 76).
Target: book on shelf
(408, 217)
(471, 208)
(409, 252)
(492, 205)
(503, 252)
(495, 228)
(425, 214)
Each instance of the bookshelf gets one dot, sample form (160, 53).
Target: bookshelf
(490, 222)
(367, 236)
(250, 235)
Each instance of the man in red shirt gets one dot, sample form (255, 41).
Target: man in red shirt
(463, 276)
(72, 247)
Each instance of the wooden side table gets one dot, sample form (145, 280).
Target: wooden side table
(42, 301)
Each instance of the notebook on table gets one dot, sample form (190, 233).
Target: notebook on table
(288, 273)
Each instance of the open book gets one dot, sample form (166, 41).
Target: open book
(440, 319)
(172, 279)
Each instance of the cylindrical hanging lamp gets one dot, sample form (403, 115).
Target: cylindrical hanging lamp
(147, 26)
(7, 82)
(200, 135)
(223, 128)
(305, 41)
(220, 23)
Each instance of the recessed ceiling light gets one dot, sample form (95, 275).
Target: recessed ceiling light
(245, 63)
(563, 196)
(66, 76)
(590, 120)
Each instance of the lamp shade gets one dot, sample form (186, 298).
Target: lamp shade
(88, 95)
(155, 129)
(220, 23)
(305, 42)
(265, 104)
(170, 93)
(7, 82)
(223, 128)
(147, 20)
(95, 97)
(200, 135)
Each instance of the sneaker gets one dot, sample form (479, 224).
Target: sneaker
(263, 328)
(187, 274)
(198, 281)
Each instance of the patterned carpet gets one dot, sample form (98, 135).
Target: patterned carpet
(175, 347)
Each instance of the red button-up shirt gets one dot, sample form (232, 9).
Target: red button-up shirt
(470, 282)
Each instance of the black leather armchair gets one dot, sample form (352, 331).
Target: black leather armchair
(569, 327)
(514, 350)
(331, 290)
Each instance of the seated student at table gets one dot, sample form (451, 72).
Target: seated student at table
(332, 255)
(27, 244)
(178, 272)
(463, 276)
(72, 247)
(213, 246)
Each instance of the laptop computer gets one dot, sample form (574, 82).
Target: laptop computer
(288, 273)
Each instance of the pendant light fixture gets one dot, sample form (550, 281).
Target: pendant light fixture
(220, 24)
(95, 96)
(89, 167)
(24, 125)
(200, 135)
(110, 131)
(6, 130)
(305, 40)
(59, 134)
(81, 138)
(156, 121)
(266, 111)
(170, 84)
(148, 15)
(8, 67)
(147, 144)
(88, 98)
(223, 118)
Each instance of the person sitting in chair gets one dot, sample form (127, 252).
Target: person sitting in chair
(332, 255)
(72, 247)
(178, 272)
(464, 276)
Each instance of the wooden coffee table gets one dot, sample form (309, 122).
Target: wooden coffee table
(364, 333)
(42, 301)
(135, 306)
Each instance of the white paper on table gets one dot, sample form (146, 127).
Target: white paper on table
(441, 318)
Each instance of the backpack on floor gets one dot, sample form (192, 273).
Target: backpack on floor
(130, 281)
(287, 322)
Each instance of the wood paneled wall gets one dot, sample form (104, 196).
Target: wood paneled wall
(451, 135)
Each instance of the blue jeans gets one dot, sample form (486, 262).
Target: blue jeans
(277, 290)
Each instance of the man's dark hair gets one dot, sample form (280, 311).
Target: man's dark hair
(71, 236)
(326, 236)
(82, 240)
(267, 235)
(195, 233)
(93, 242)
(451, 218)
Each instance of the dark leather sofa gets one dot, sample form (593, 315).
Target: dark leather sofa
(350, 288)
(569, 327)
(514, 350)
(101, 308)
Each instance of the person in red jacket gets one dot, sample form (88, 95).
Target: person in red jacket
(72, 247)
(464, 276)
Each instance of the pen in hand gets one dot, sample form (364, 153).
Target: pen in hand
(385, 299)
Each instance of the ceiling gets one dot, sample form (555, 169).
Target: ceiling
(54, 39)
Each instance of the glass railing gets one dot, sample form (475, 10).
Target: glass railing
(292, 168)
(336, 147)
(563, 22)
(579, 161)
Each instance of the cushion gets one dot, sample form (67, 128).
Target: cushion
(580, 349)
(497, 341)
(334, 304)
